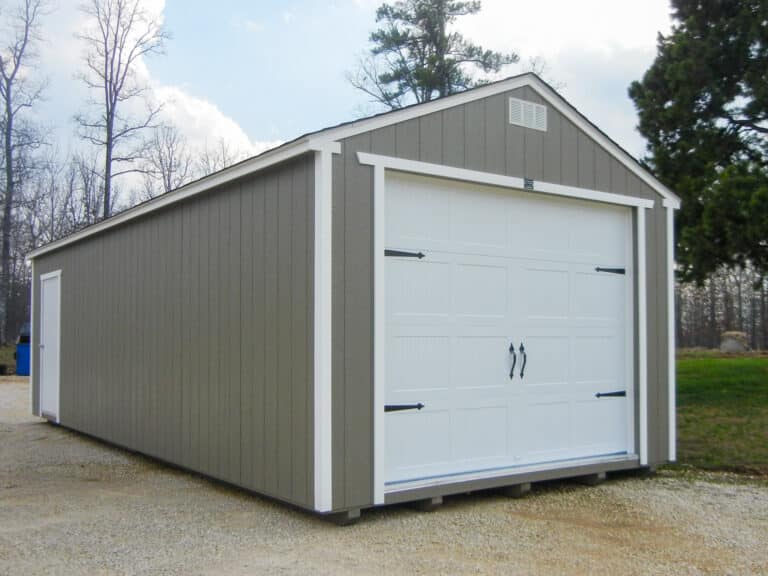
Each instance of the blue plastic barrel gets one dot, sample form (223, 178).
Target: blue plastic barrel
(22, 359)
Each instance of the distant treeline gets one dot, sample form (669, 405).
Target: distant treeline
(730, 300)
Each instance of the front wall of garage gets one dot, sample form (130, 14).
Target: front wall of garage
(187, 334)
(475, 136)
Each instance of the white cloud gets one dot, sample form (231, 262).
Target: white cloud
(203, 124)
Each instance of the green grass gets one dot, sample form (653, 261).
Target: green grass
(723, 413)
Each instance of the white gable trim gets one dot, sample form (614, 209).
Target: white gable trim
(549, 95)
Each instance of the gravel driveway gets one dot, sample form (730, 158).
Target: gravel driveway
(69, 505)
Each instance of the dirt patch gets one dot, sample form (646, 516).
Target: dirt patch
(70, 505)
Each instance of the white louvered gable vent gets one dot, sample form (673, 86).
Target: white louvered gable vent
(528, 114)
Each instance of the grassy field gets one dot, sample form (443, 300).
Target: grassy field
(723, 412)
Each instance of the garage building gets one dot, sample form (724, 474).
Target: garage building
(468, 293)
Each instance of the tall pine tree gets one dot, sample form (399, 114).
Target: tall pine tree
(703, 107)
(417, 57)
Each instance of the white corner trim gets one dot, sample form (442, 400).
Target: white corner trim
(671, 374)
(32, 334)
(674, 204)
(379, 333)
(323, 462)
(220, 178)
(475, 176)
(642, 340)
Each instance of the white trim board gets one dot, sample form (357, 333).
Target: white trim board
(250, 166)
(642, 340)
(323, 463)
(32, 334)
(477, 177)
(380, 165)
(671, 373)
(542, 89)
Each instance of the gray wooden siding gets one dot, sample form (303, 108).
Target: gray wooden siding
(477, 136)
(188, 334)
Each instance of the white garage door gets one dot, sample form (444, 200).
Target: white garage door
(513, 331)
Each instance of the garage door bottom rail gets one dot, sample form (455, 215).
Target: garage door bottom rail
(511, 471)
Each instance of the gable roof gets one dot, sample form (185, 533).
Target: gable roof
(328, 139)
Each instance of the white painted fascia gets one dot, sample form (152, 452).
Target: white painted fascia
(250, 166)
(477, 177)
(531, 80)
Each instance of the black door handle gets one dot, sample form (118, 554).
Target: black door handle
(525, 360)
(514, 360)
(400, 407)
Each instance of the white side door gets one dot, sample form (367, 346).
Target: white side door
(50, 340)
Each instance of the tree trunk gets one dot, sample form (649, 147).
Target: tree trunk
(108, 172)
(713, 335)
(5, 258)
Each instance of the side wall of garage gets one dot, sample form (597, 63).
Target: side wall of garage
(476, 136)
(187, 334)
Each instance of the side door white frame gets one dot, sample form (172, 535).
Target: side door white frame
(382, 163)
(42, 376)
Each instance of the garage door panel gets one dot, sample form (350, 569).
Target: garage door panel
(597, 359)
(480, 290)
(418, 288)
(598, 296)
(415, 439)
(480, 433)
(479, 220)
(597, 224)
(541, 229)
(479, 362)
(546, 360)
(418, 363)
(549, 423)
(416, 214)
(546, 291)
(599, 425)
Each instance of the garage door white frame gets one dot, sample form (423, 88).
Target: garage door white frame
(383, 163)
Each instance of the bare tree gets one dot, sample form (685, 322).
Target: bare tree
(122, 33)
(18, 92)
(218, 157)
(168, 162)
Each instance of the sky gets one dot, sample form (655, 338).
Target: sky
(255, 73)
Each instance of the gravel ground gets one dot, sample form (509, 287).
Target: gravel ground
(70, 505)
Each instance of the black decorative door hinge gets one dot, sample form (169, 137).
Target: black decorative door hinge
(404, 254)
(611, 394)
(400, 407)
(611, 270)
